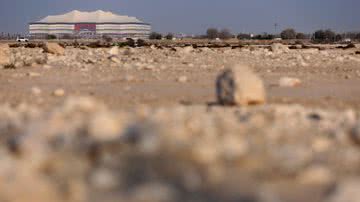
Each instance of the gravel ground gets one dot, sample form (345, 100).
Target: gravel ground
(143, 124)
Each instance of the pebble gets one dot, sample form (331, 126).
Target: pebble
(316, 175)
(289, 82)
(33, 74)
(182, 79)
(59, 92)
(36, 91)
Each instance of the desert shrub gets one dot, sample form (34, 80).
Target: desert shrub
(338, 37)
(225, 34)
(155, 35)
(324, 36)
(264, 36)
(212, 33)
(141, 42)
(51, 37)
(169, 36)
(243, 36)
(301, 36)
(107, 39)
(67, 36)
(288, 34)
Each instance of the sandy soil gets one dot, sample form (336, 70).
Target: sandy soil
(143, 125)
(333, 83)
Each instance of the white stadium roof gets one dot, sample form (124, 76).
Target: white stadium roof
(89, 17)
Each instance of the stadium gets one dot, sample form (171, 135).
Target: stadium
(95, 24)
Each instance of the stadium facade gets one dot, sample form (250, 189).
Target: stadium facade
(90, 25)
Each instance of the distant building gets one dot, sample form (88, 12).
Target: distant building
(90, 25)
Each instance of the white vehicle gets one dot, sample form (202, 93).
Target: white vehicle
(22, 39)
(347, 40)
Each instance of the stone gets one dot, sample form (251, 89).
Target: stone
(238, 85)
(53, 48)
(182, 79)
(186, 50)
(59, 92)
(114, 51)
(289, 82)
(5, 58)
(149, 67)
(36, 90)
(33, 74)
(129, 78)
(316, 175)
(115, 59)
(279, 48)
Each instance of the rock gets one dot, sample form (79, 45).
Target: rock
(5, 58)
(105, 127)
(36, 91)
(182, 79)
(115, 59)
(53, 48)
(33, 74)
(59, 92)
(279, 48)
(238, 85)
(289, 82)
(316, 175)
(103, 179)
(186, 50)
(149, 67)
(128, 51)
(311, 51)
(114, 51)
(129, 78)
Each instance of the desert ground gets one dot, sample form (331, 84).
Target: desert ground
(80, 123)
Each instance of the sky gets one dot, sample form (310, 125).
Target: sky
(195, 16)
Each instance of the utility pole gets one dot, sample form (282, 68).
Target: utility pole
(276, 26)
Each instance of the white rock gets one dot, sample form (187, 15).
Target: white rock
(104, 126)
(238, 85)
(53, 48)
(33, 74)
(129, 78)
(186, 50)
(279, 48)
(35, 90)
(149, 67)
(114, 51)
(59, 92)
(316, 175)
(182, 79)
(289, 82)
(114, 59)
(311, 51)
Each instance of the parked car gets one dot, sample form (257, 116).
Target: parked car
(22, 39)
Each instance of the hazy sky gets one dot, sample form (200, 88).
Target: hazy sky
(195, 16)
